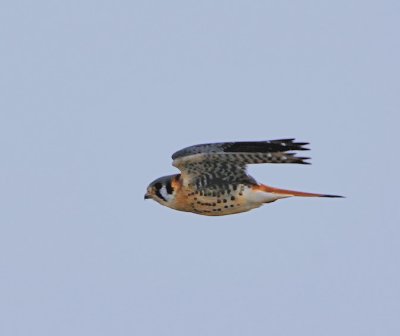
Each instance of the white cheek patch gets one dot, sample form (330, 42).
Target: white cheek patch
(164, 193)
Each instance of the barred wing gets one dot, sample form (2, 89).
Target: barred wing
(225, 162)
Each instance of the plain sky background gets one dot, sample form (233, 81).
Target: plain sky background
(94, 98)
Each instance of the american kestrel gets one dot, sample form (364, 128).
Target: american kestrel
(214, 181)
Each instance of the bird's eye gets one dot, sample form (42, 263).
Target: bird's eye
(158, 186)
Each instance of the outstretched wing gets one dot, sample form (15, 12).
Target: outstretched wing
(225, 162)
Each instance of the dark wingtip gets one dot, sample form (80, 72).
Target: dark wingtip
(290, 142)
(301, 145)
(302, 160)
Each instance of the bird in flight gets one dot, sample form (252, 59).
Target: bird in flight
(214, 182)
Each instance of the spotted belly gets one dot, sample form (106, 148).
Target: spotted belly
(216, 203)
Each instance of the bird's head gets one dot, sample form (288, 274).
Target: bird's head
(162, 190)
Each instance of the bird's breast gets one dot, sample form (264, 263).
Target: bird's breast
(215, 202)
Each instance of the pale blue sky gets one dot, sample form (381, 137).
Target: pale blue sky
(96, 96)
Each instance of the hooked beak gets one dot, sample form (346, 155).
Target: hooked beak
(147, 196)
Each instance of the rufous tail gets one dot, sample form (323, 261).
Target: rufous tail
(282, 192)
